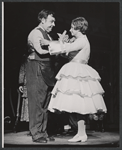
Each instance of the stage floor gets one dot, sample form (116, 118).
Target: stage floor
(95, 139)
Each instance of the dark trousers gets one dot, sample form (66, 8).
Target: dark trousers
(38, 99)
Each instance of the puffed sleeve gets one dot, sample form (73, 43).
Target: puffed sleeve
(74, 46)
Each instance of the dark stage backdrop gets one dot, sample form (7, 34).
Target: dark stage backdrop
(21, 17)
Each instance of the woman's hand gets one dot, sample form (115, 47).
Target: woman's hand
(63, 37)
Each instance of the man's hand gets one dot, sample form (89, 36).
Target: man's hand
(72, 40)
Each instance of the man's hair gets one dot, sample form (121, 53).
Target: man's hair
(80, 24)
(44, 14)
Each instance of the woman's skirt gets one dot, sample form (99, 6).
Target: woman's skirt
(77, 90)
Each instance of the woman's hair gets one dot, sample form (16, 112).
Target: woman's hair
(44, 14)
(80, 24)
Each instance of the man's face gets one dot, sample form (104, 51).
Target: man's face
(49, 23)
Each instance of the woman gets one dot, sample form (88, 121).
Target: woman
(22, 95)
(77, 89)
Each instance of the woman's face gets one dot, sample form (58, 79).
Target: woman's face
(73, 31)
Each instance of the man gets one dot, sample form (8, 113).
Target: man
(40, 77)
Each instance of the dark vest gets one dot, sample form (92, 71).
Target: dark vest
(46, 63)
(34, 53)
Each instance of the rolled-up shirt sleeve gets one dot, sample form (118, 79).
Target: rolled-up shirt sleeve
(34, 40)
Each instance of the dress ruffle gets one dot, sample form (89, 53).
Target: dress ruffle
(78, 70)
(77, 90)
(84, 88)
(76, 103)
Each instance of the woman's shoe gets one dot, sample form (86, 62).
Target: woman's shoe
(77, 135)
(79, 139)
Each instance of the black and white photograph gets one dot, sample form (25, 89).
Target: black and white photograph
(61, 74)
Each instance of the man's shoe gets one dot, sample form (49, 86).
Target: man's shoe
(40, 140)
(51, 138)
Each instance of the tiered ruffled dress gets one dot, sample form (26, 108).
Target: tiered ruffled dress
(78, 88)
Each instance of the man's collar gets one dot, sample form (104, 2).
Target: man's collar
(41, 27)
